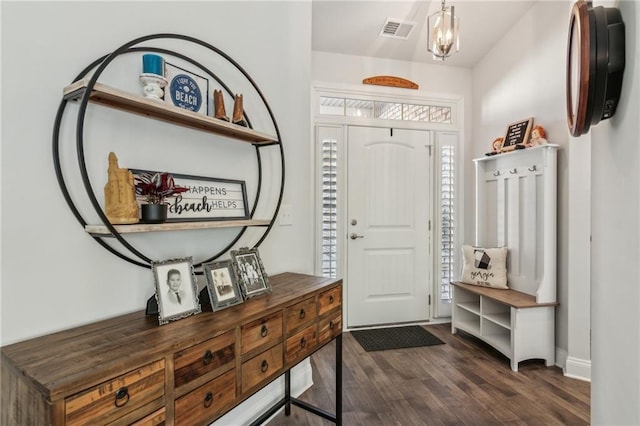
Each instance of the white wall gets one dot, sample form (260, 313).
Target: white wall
(615, 263)
(54, 275)
(507, 87)
(524, 76)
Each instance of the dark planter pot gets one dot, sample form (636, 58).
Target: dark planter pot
(154, 213)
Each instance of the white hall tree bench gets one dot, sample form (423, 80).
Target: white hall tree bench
(516, 202)
(509, 320)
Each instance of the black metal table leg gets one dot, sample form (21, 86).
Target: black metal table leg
(339, 380)
(287, 393)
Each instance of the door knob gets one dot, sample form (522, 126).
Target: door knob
(354, 236)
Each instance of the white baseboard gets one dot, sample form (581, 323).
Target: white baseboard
(573, 367)
(577, 368)
(252, 408)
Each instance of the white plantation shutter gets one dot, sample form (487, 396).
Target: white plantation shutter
(329, 206)
(447, 220)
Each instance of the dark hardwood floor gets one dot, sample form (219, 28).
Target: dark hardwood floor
(463, 382)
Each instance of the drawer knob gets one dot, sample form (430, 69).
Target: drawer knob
(303, 342)
(208, 400)
(208, 356)
(302, 313)
(264, 366)
(331, 325)
(122, 397)
(264, 330)
(331, 298)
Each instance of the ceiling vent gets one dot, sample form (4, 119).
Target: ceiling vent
(397, 28)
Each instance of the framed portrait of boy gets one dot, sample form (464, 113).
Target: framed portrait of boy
(252, 278)
(222, 284)
(176, 289)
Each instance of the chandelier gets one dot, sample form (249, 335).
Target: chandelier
(442, 33)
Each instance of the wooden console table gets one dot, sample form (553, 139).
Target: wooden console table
(129, 370)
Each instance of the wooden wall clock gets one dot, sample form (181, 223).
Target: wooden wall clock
(595, 65)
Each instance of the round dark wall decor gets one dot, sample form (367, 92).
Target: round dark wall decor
(595, 65)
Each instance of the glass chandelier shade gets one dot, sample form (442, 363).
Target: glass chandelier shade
(442, 33)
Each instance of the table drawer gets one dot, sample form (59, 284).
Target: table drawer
(301, 344)
(261, 332)
(157, 418)
(329, 328)
(329, 300)
(111, 400)
(261, 367)
(203, 404)
(300, 313)
(201, 359)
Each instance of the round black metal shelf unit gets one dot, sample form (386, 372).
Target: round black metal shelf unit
(99, 65)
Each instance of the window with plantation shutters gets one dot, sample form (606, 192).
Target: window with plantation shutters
(447, 220)
(329, 147)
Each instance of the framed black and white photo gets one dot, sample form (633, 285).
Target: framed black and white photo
(176, 289)
(222, 284)
(186, 89)
(252, 278)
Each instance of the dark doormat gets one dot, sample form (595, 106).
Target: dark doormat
(381, 339)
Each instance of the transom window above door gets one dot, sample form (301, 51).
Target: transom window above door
(349, 107)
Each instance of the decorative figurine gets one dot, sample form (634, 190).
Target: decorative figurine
(238, 112)
(218, 104)
(120, 195)
(496, 146)
(538, 136)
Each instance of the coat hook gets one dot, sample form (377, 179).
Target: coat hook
(533, 168)
(514, 171)
(496, 173)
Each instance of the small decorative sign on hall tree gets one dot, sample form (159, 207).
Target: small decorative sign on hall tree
(517, 135)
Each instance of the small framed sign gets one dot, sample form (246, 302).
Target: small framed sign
(186, 89)
(517, 135)
(207, 199)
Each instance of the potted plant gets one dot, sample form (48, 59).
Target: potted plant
(155, 188)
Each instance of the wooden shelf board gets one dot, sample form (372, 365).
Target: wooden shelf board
(502, 319)
(473, 307)
(514, 298)
(118, 99)
(173, 226)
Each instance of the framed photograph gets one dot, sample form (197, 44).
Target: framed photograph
(222, 284)
(186, 89)
(252, 278)
(176, 289)
(517, 135)
(207, 199)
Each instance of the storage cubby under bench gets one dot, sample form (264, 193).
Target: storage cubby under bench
(509, 320)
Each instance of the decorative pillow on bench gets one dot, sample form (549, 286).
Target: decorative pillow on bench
(485, 267)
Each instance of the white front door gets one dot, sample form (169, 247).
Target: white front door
(388, 214)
